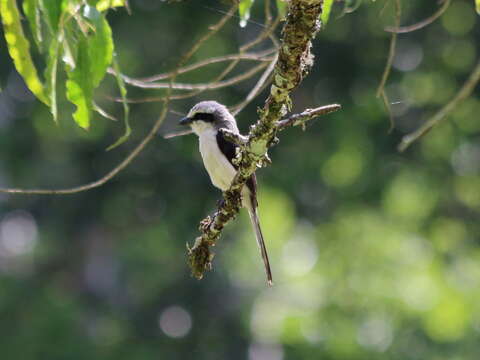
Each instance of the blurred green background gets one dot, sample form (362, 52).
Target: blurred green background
(375, 254)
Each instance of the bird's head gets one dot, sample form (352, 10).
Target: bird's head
(209, 115)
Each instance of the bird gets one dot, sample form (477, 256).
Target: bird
(205, 120)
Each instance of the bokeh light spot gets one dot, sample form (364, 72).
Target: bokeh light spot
(467, 190)
(410, 196)
(299, 256)
(448, 320)
(375, 333)
(175, 322)
(18, 233)
(265, 352)
(408, 56)
(459, 19)
(459, 54)
(344, 167)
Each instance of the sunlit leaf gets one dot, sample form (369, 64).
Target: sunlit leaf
(31, 9)
(80, 85)
(477, 4)
(19, 48)
(282, 8)
(126, 109)
(94, 55)
(327, 7)
(103, 5)
(244, 11)
(100, 45)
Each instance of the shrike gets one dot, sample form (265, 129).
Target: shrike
(205, 119)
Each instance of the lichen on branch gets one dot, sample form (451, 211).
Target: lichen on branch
(294, 61)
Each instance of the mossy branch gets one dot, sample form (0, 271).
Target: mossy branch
(293, 64)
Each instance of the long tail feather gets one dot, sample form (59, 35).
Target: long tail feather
(261, 243)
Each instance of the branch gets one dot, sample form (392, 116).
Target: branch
(293, 64)
(267, 32)
(420, 25)
(464, 92)
(307, 115)
(293, 120)
(260, 56)
(259, 86)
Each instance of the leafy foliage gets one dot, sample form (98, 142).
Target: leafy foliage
(71, 31)
(19, 48)
(282, 7)
(94, 54)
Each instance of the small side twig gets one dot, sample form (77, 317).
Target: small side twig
(307, 115)
(464, 92)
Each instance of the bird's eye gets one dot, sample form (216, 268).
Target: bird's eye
(204, 117)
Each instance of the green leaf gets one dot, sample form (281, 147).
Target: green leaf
(100, 45)
(327, 7)
(31, 9)
(103, 5)
(126, 109)
(282, 8)
(19, 48)
(94, 55)
(80, 85)
(477, 5)
(244, 11)
(52, 10)
(51, 75)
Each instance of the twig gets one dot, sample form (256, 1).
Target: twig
(263, 35)
(151, 134)
(260, 56)
(388, 67)
(391, 52)
(421, 24)
(178, 133)
(386, 103)
(292, 66)
(307, 115)
(268, 32)
(259, 86)
(206, 86)
(464, 92)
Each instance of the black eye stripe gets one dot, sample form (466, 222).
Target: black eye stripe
(204, 117)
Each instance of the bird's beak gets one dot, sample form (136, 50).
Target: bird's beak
(185, 121)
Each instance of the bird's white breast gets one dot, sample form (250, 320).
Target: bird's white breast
(218, 167)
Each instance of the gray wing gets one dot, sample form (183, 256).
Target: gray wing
(229, 150)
